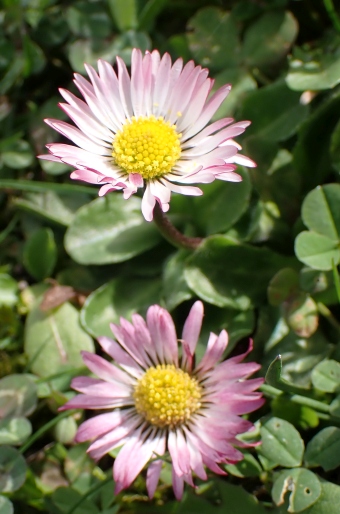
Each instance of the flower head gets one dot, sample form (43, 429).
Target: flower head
(149, 130)
(158, 400)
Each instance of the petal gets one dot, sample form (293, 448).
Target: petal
(104, 369)
(101, 424)
(148, 204)
(192, 326)
(132, 459)
(215, 349)
(163, 334)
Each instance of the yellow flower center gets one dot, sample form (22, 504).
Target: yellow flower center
(147, 145)
(167, 396)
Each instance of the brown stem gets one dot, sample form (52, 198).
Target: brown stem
(171, 234)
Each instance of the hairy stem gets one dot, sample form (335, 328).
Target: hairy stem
(171, 234)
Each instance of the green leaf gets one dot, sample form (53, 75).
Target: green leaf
(17, 155)
(269, 38)
(119, 297)
(124, 12)
(282, 285)
(175, 288)
(326, 376)
(248, 467)
(317, 251)
(6, 506)
(12, 469)
(222, 204)
(40, 254)
(275, 112)
(281, 443)
(65, 497)
(53, 340)
(324, 449)
(233, 284)
(14, 431)
(302, 316)
(320, 74)
(213, 38)
(109, 230)
(34, 58)
(8, 290)
(328, 502)
(242, 82)
(59, 208)
(18, 396)
(320, 211)
(88, 19)
(237, 500)
(303, 485)
(311, 153)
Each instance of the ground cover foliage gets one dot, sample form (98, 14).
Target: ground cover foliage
(70, 262)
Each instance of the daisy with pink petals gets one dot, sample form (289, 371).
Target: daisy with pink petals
(159, 402)
(149, 130)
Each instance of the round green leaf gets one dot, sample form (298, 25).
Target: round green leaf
(317, 251)
(6, 506)
(12, 469)
(222, 204)
(119, 297)
(326, 376)
(281, 443)
(320, 211)
(213, 38)
(303, 485)
(18, 396)
(40, 254)
(324, 449)
(314, 75)
(53, 340)
(328, 502)
(109, 230)
(302, 315)
(269, 38)
(282, 285)
(14, 430)
(219, 272)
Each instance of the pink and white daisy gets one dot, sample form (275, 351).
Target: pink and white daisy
(160, 401)
(149, 130)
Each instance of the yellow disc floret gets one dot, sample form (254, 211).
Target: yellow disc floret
(167, 396)
(147, 145)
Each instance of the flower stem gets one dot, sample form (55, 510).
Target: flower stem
(320, 407)
(171, 234)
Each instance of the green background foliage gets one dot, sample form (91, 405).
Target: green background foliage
(71, 263)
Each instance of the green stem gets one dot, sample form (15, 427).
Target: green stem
(92, 490)
(44, 429)
(171, 234)
(332, 13)
(272, 392)
(41, 187)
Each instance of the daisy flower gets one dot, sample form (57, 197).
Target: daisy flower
(159, 401)
(148, 131)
